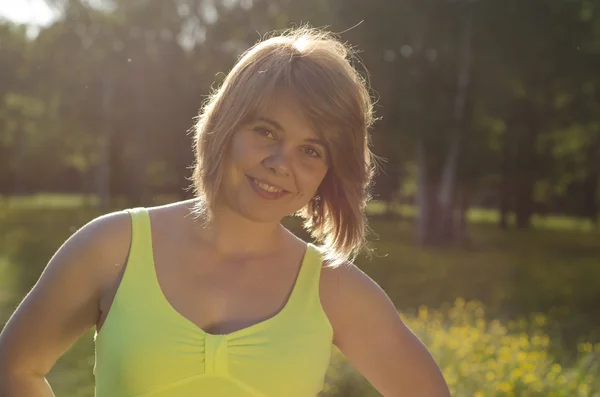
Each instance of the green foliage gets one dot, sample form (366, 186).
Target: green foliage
(114, 87)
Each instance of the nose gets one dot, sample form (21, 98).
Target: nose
(278, 163)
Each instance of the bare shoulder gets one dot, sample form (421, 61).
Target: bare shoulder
(101, 245)
(347, 292)
(348, 275)
(339, 280)
(172, 213)
(107, 229)
(64, 302)
(93, 256)
(94, 248)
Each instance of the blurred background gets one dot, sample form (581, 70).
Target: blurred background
(486, 210)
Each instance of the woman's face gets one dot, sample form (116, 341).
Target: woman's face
(275, 164)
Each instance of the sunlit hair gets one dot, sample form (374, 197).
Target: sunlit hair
(315, 68)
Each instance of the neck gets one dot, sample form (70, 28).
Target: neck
(232, 235)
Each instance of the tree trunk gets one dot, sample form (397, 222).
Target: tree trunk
(137, 184)
(590, 183)
(446, 226)
(525, 162)
(446, 198)
(19, 163)
(422, 196)
(388, 184)
(429, 210)
(103, 169)
(524, 205)
(506, 181)
(423, 199)
(460, 233)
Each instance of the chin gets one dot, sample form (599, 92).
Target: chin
(261, 211)
(262, 216)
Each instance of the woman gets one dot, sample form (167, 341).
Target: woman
(213, 296)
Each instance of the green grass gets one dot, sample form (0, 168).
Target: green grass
(553, 269)
(48, 200)
(492, 216)
(474, 215)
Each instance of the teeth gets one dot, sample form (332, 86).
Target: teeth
(266, 187)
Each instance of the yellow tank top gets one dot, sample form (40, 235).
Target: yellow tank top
(147, 349)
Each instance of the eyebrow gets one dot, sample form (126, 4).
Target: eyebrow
(273, 123)
(278, 126)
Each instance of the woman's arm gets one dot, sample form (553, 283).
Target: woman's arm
(61, 307)
(371, 334)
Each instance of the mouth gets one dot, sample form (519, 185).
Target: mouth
(267, 190)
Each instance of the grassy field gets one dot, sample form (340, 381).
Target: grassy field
(513, 314)
(475, 215)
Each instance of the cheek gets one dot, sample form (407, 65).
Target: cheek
(310, 179)
(245, 152)
(236, 152)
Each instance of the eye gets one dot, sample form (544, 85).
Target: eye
(312, 152)
(264, 132)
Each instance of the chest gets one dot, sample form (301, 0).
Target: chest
(237, 336)
(224, 296)
(161, 354)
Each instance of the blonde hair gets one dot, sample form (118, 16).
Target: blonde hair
(316, 69)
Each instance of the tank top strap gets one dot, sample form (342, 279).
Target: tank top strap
(306, 289)
(135, 291)
(141, 235)
(139, 270)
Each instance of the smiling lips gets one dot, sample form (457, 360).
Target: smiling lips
(267, 187)
(266, 190)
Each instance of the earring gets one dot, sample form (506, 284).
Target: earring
(315, 210)
(316, 203)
